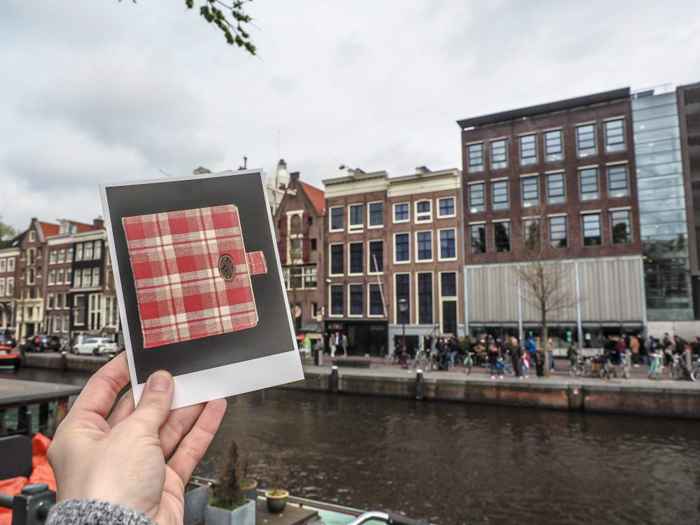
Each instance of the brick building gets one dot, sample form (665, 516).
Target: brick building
(9, 279)
(554, 182)
(391, 242)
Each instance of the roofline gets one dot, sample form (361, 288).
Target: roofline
(357, 177)
(543, 109)
(426, 175)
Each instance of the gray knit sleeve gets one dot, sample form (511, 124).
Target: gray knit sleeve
(94, 512)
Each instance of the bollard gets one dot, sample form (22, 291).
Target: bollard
(64, 361)
(334, 380)
(32, 506)
(419, 385)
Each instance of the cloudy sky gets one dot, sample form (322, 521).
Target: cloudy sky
(97, 91)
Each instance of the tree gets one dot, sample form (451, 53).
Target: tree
(228, 17)
(7, 233)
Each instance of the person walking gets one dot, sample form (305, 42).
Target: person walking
(530, 346)
(572, 353)
(634, 348)
(550, 345)
(539, 362)
(331, 344)
(525, 360)
(621, 350)
(344, 344)
(493, 362)
(515, 355)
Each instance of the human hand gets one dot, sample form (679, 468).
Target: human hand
(140, 458)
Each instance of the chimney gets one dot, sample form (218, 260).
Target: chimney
(98, 224)
(294, 176)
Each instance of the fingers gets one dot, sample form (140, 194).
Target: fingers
(154, 406)
(102, 389)
(195, 444)
(125, 407)
(176, 427)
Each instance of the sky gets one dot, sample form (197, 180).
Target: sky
(106, 91)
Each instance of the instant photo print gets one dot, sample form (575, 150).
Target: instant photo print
(200, 285)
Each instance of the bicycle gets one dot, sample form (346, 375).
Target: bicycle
(422, 361)
(468, 363)
(625, 362)
(657, 366)
(502, 366)
(678, 369)
(695, 371)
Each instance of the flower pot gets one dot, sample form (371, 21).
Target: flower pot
(250, 488)
(195, 504)
(276, 502)
(243, 515)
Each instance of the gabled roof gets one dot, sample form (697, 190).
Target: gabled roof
(82, 227)
(48, 228)
(316, 196)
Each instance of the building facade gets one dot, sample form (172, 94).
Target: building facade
(9, 278)
(393, 258)
(553, 183)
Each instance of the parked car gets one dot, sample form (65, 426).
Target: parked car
(7, 341)
(96, 346)
(41, 343)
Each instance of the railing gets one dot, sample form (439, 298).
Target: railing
(32, 506)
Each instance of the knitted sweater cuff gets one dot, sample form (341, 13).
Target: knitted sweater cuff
(94, 512)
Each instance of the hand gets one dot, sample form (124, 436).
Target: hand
(139, 458)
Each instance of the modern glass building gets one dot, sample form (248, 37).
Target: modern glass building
(662, 208)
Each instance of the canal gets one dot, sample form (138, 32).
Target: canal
(456, 463)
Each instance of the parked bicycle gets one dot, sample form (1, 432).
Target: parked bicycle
(656, 367)
(695, 370)
(469, 362)
(678, 368)
(504, 368)
(422, 361)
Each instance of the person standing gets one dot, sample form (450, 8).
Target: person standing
(634, 348)
(572, 353)
(525, 360)
(550, 345)
(344, 344)
(539, 361)
(515, 354)
(331, 344)
(493, 362)
(621, 350)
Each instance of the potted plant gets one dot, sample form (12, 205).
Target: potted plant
(229, 506)
(197, 497)
(276, 497)
(248, 485)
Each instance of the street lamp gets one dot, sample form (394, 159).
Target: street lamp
(403, 307)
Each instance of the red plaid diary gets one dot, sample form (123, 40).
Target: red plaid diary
(192, 274)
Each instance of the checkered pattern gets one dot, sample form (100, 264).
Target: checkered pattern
(175, 260)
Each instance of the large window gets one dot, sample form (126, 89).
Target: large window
(621, 226)
(499, 191)
(402, 247)
(97, 254)
(531, 192)
(556, 188)
(355, 249)
(88, 252)
(553, 146)
(337, 259)
(356, 217)
(588, 183)
(79, 252)
(79, 309)
(355, 299)
(336, 299)
(448, 285)
(528, 150)
(424, 211)
(475, 156)
(448, 289)
(376, 214)
(424, 249)
(477, 238)
(401, 213)
(585, 140)
(558, 237)
(618, 182)
(592, 235)
(476, 198)
(376, 256)
(531, 234)
(446, 207)
(615, 136)
(501, 236)
(53, 257)
(337, 218)
(499, 154)
(376, 304)
(425, 298)
(448, 242)
(403, 291)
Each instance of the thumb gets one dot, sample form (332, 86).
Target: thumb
(154, 407)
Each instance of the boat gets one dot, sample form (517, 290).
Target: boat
(8, 359)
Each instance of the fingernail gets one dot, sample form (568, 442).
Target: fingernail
(160, 382)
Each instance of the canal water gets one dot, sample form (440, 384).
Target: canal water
(455, 463)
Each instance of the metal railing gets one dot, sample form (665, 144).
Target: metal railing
(32, 506)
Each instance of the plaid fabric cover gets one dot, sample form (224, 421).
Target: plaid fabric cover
(175, 260)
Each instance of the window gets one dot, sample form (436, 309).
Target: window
(337, 218)
(448, 289)
(448, 284)
(425, 246)
(49, 301)
(531, 192)
(30, 255)
(477, 238)
(95, 311)
(53, 257)
(10, 285)
(336, 299)
(336, 259)
(376, 214)
(111, 311)
(376, 256)
(296, 249)
(446, 207)
(501, 236)
(58, 301)
(499, 194)
(66, 323)
(448, 249)
(618, 184)
(402, 247)
(69, 255)
(78, 252)
(11, 265)
(425, 298)
(313, 245)
(553, 148)
(557, 233)
(355, 299)
(295, 225)
(401, 212)
(424, 211)
(69, 275)
(87, 255)
(30, 276)
(87, 277)
(32, 236)
(615, 136)
(476, 198)
(355, 249)
(591, 229)
(79, 310)
(309, 276)
(499, 154)
(528, 150)
(314, 310)
(3, 265)
(585, 140)
(356, 219)
(531, 234)
(621, 227)
(96, 276)
(403, 291)
(52, 277)
(588, 181)
(475, 156)
(2, 286)
(556, 192)
(62, 255)
(376, 305)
